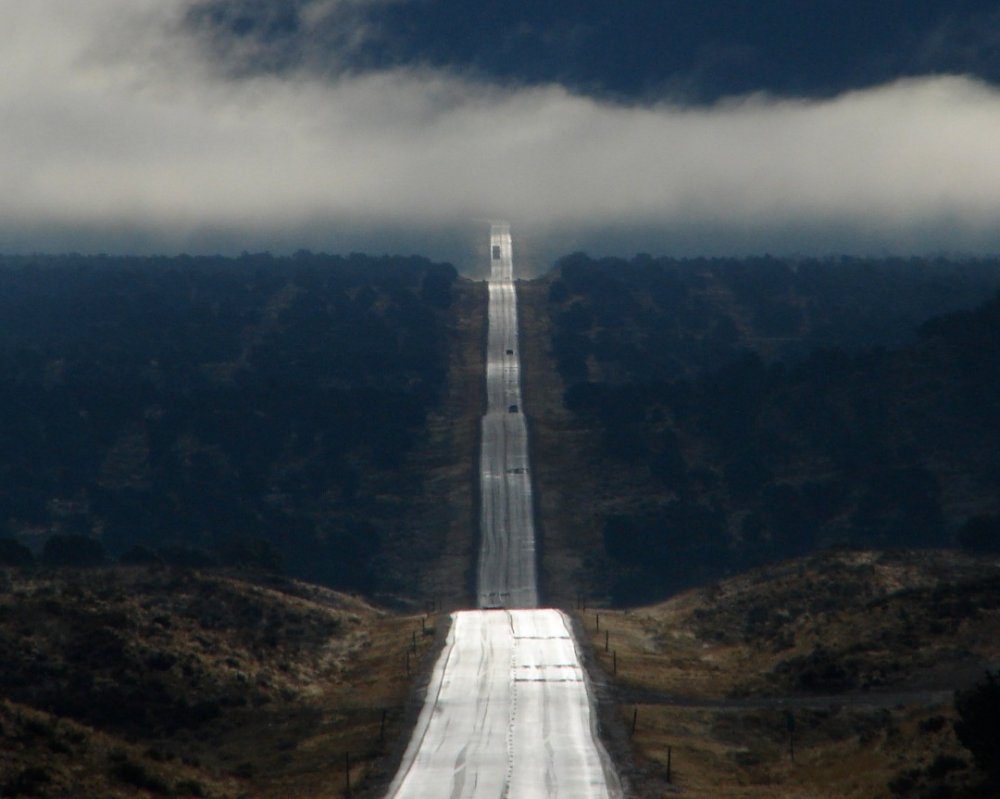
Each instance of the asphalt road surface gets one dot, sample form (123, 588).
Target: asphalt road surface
(508, 712)
(506, 527)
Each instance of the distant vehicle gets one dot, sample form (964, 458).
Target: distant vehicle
(510, 352)
(512, 409)
(496, 252)
(495, 600)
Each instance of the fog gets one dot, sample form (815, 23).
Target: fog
(124, 133)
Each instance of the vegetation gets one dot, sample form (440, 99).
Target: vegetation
(255, 411)
(978, 725)
(121, 682)
(847, 661)
(741, 412)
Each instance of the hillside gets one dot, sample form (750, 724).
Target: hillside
(863, 650)
(299, 414)
(135, 682)
(695, 419)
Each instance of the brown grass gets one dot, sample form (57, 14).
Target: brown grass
(296, 678)
(713, 674)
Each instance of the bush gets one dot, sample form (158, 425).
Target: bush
(73, 551)
(978, 725)
(14, 553)
(980, 534)
(944, 765)
(189, 788)
(136, 774)
(139, 555)
(27, 782)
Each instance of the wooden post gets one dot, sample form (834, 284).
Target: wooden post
(605, 640)
(597, 622)
(635, 719)
(669, 764)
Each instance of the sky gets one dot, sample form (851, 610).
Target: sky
(716, 128)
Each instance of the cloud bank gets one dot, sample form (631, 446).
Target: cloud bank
(121, 132)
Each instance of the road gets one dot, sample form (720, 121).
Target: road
(508, 712)
(506, 527)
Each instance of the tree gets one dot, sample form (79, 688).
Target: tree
(980, 534)
(73, 551)
(978, 725)
(14, 553)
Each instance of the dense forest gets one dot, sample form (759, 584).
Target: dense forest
(255, 411)
(752, 410)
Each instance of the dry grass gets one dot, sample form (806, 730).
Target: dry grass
(863, 649)
(126, 677)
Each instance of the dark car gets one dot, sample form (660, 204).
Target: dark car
(512, 409)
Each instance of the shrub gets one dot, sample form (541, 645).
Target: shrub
(14, 553)
(73, 551)
(980, 534)
(135, 774)
(27, 782)
(189, 788)
(978, 725)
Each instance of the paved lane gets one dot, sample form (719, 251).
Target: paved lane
(508, 712)
(507, 715)
(506, 526)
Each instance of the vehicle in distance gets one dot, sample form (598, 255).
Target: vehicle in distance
(510, 352)
(496, 251)
(512, 409)
(496, 600)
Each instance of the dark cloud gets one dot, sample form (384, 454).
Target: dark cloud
(628, 49)
(122, 133)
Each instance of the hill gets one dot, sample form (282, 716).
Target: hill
(693, 419)
(135, 682)
(287, 413)
(853, 658)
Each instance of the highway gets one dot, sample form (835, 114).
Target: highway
(508, 712)
(506, 527)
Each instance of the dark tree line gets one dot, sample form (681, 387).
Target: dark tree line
(213, 405)
(770, 407)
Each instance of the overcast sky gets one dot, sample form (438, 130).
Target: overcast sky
(126, 128)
